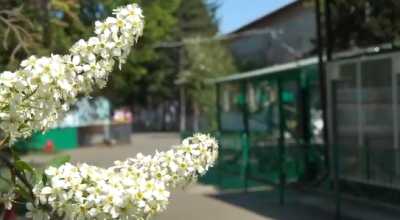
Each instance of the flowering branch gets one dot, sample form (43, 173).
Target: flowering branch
(38, 94)
(137, 188)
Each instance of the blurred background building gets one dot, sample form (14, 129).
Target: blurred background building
(284, 35)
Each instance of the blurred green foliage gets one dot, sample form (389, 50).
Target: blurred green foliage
(362, 23)
(149, 70)
(37, 27)
(202, 58)
(205, 62)
(43, 27)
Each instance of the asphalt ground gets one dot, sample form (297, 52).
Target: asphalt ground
(205, 202)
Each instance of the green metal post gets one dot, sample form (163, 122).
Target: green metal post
(219, 131)
(245, 136)
(306, 121)
(322, 71)
(336, 181)
(281, 146)
(367, 161)
(245, 153)
(336, 165)
(218, 113)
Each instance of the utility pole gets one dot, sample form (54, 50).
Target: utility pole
(329, 50)
(182, 92)
(322, 80)
(328, 27)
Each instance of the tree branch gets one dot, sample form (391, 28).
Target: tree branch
(3, 143)
(20, 175)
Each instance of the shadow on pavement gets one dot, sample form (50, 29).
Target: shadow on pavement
(266, 203)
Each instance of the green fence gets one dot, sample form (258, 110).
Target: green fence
(269, 127)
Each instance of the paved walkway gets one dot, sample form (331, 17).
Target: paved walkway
(197, 202)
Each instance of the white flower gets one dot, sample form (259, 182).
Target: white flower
(8, 199)
(76, 60)
(35, 213)
(29, 63)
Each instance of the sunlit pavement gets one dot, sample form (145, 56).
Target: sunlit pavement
(197, 202)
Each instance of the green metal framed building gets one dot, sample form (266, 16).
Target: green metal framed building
(270, 124)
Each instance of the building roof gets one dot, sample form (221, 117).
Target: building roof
(268, 17)
(267, 70)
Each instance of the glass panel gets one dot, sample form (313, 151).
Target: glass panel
(262, 101)
(397, 149)
(315, 161)
(316, 114)
(364, 121)
(231, 105)
(291, 97)
(291, 112)
(346, 121)
(263, 107)
(232, 127)
(377, 109)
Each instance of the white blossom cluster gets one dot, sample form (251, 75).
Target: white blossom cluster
(137, 188)
(36, 95)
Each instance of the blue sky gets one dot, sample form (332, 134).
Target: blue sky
(236, 13)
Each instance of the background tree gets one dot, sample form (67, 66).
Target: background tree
(157, 65)
(204, 62)
(37, 27)
(17, 35)
(44, 26)
(148, 68)
(362, 23)
(201, 58)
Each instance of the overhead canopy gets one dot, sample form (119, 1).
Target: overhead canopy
(267, 71)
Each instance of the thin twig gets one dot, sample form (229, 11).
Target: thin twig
(19, 175)
(11, 19)
(3, 143)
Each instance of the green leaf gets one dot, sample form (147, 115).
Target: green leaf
(59, 161)
(15, 155)
(23, 192)
(23, 166)
(38, 176)
(44, 178)
(5, 180)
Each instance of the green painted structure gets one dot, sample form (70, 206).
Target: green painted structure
(269, 126)
(62, 139)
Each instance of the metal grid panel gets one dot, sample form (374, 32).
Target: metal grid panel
(363, 102)
(265, 127)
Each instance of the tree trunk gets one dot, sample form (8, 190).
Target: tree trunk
(164, 116)
(45, 20)
(182, 126)
(196, 117)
